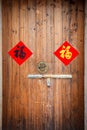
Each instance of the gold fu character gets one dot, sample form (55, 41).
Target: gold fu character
(65, 52)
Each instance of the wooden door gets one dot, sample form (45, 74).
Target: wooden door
(43, 25)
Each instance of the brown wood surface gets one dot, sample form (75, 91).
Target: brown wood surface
(43, 25)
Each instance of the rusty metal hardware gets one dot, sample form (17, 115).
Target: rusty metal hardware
(42, 67)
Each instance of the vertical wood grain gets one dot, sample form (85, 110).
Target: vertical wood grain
(28, 104)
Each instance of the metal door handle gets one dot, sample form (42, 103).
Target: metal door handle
(48, 76)
(63, 76)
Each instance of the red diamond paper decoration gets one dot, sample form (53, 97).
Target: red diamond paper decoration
(20, 53)
(66, 53)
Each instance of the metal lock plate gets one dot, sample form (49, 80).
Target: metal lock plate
(42, 67)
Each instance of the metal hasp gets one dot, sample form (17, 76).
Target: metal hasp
(48, 82)
(60, 76)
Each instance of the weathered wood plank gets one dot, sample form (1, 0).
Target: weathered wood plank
(42, 26)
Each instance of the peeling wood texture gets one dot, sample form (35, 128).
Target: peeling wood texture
(43, 25)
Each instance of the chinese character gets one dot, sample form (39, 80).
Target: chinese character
(65, 52)
(19, 52)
